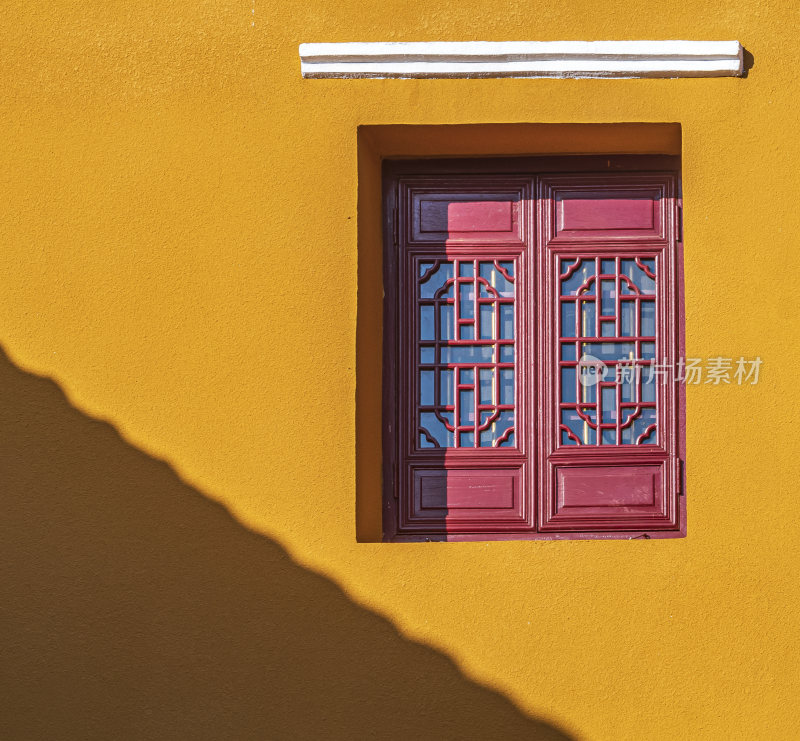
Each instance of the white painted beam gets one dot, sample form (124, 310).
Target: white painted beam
(445, 59)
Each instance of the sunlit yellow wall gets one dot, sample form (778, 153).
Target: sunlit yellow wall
(179, 252)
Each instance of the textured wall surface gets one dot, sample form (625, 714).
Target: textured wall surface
(180, 255)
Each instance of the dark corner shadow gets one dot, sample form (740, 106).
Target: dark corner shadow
(133, 607)
(747, 62)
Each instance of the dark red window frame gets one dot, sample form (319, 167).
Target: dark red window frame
(519, 450)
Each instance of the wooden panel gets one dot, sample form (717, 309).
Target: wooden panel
(620, 211)
(606, 208)
(478, 216)
(466, 489)
(625, 488)
(611, 496)
(447, 215)
(443, 497)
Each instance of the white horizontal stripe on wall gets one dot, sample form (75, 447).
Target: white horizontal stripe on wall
(442, 59)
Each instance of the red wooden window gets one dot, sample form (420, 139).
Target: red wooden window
(524, 310)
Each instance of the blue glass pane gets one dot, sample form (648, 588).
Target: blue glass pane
(503, 422)
(609, 437)
(466, 400)
(424, 442)
(588, 394)
(626, 389)
(568, 385)
(486, 385)
(579, 279)
(466, 269)
(628, 317)
(566, 264)
(427, 380)
(506, 386)
(506, 321)
(640, 425)
(609, 351)
(607, 298)
(446, 384)
(438, 431)
(508, 266)
(587, 319)
(568, 319)
(580, 429)
(608, 398)
(426, 323)
(590, 414)
(627, 434)
(637, 276)
(487, 321)
(496, 280)
(436, 280)
(467, 354)
(508, 442)
(467, 298)
(448, 319)
(648, 318)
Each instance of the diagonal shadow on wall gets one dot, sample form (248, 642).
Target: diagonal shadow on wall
(133, 607)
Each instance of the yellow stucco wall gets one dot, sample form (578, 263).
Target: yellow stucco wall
(179, 230)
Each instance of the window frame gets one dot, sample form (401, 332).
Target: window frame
(536, 406)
